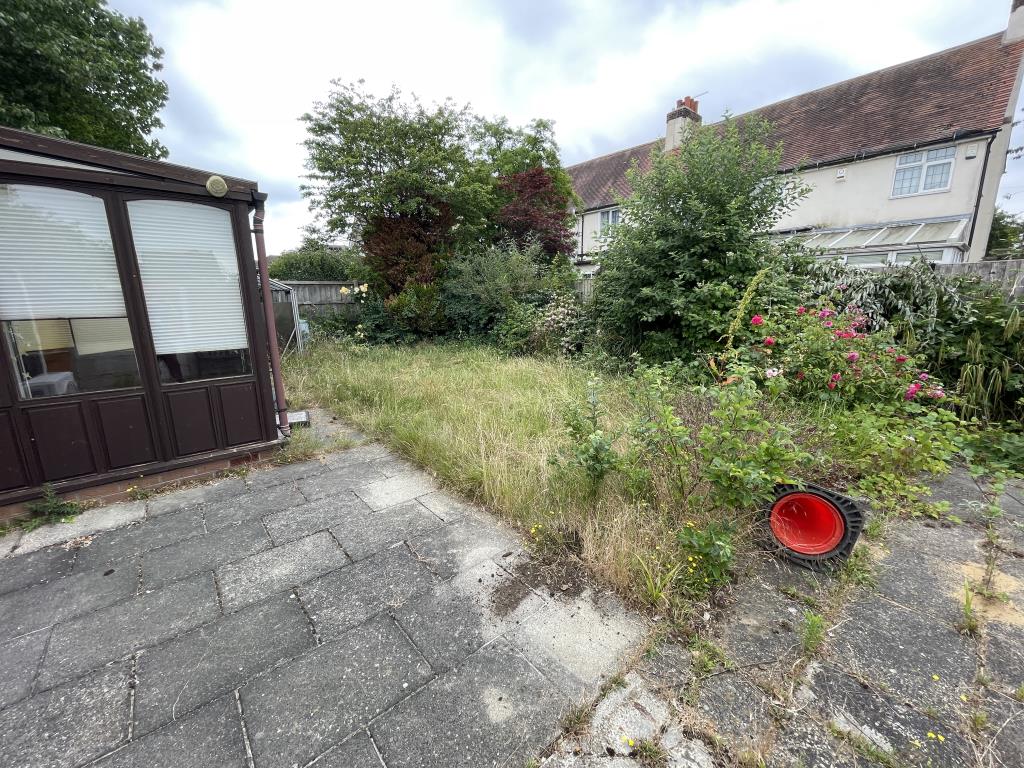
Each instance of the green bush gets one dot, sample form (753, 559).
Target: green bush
(827, 356)
(693, 235)
(967, 332)
(480, 287)
(313, 262)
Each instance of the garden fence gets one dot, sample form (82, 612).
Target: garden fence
(321, 297)
(585, 288)
(1009, 274)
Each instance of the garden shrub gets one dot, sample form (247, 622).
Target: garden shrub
(481, 286)
(693, 235)
(514, 331)
(816, 353)
(315, 262)
(968, 332)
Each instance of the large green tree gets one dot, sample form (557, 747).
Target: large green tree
(78, 70)
(1006, 238)
(693, 234)
(415, 183)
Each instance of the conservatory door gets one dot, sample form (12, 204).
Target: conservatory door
(188, 262)
(72, 401)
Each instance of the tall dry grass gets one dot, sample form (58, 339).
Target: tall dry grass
(487, 426)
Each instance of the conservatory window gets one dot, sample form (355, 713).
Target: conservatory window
(924, 171)
(189, 268)
(61, 306)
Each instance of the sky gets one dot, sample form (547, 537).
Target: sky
(242, 72)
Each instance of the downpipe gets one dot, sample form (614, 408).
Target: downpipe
(268, 312)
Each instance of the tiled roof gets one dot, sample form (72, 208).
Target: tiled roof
(956, 92)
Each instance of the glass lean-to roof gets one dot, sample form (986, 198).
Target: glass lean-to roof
(888, 237)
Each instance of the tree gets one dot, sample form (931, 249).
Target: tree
(537, 210)
(78, 70)
(692, 236)
(416, 184)
(1006, 238)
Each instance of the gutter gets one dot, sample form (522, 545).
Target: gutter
(268, 312)
(981, 190)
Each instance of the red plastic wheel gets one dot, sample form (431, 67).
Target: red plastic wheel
(806, 523)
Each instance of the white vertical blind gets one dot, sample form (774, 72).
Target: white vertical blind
(57, 256)
(189, 271)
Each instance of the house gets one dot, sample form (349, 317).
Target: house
(900, 162)
(133, 328)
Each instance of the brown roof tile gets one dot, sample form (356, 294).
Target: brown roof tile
(956, 92)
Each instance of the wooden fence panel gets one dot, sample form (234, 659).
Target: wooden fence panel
(320, 297)
(585, 288)
(1009, 274)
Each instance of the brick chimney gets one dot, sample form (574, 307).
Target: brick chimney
(679, 121)
(1015, 26)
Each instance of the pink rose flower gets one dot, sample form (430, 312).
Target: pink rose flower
(901, 358)
(757, 320)
(801, 310)
(827, 324)
(769, 341)
(923, 377)
(831, 385)
(836, 376)
(853, 357)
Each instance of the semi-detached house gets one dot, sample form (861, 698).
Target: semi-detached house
(900, 162)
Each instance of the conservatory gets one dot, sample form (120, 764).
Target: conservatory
(133, 336)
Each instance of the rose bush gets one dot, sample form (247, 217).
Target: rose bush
(821, 354)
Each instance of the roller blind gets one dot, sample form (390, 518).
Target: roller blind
(189, 272)
(57, 256)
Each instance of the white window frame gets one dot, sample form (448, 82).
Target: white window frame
(605, 225)
(924, 163)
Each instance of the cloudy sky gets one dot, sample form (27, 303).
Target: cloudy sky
(241, 72)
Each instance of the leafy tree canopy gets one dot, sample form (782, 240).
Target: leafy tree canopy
(78, 70)
(692, 236)
(315, 261)
(1006, 238)
(416, 183)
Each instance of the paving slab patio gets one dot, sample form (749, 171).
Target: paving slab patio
(338, 612)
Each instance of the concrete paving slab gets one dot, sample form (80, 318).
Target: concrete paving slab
(89, 522)
(454, 619)
(1005, 729)
(212, 660)
(631, 712)
(803, 741)
(762, 626)
(278, 569)
(454, 548)
(397, 489)
(494, 710)
(346, 598)
(363, 532)
(738, 710)
(904, 652)
(888, 724)
(447, 507)
(252, 506)
(340, 480)
(209, 738)
(132, 540)
(67, 726)
(356, 455)
(959, 543)
(272, 475)
(308, 518)
(921, 582)
(579, 644)
(357, 752)
(207, 493)
(42, 605)
(35, 568)
(303, 708)
(19, 660)
(1004, 654)
(9, 542)
(203, 553)
(112, 633)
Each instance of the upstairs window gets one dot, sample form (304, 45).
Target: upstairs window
(609, 220)
(925, 171)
